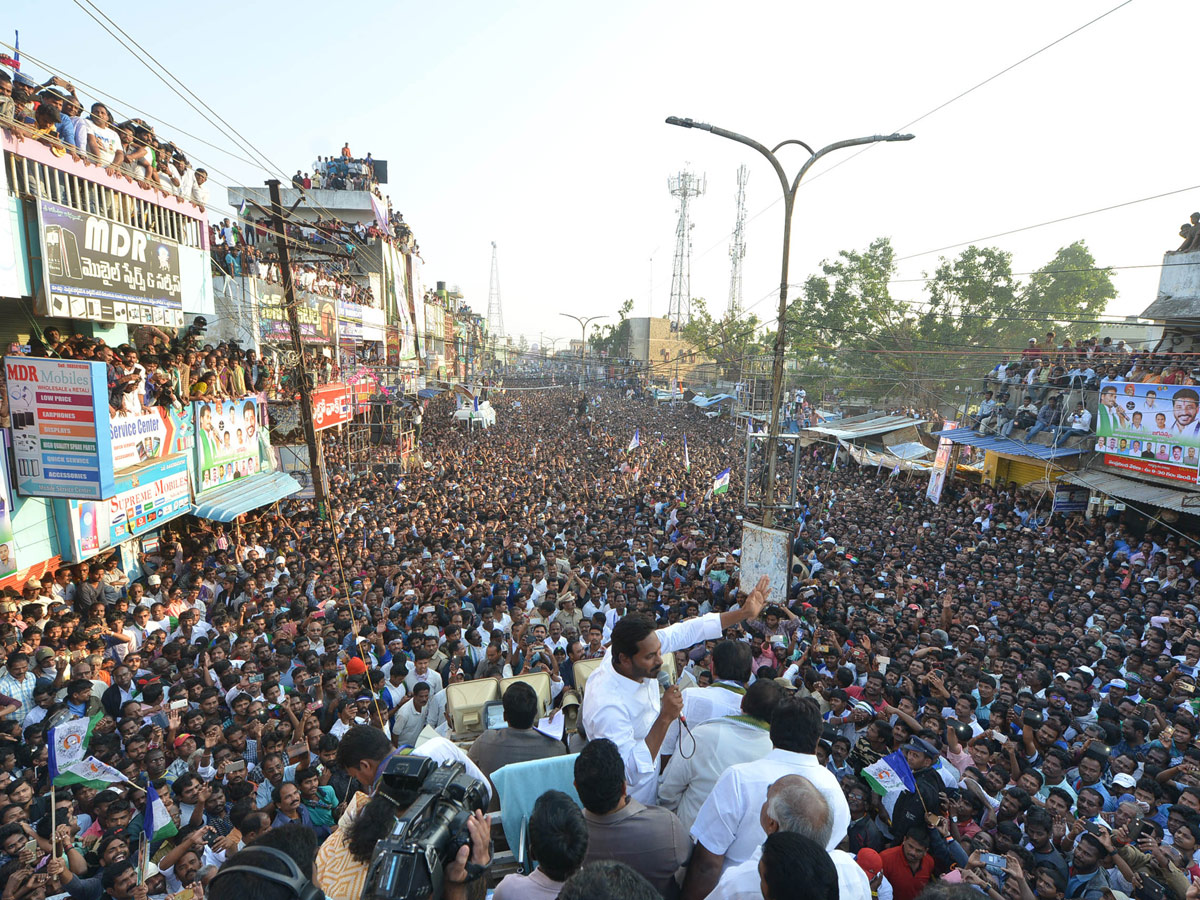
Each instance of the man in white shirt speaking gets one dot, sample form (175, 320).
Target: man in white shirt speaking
(621, 701)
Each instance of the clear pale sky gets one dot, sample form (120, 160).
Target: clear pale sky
(540, 125)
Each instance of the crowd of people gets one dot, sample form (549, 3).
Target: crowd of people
(339, 173)
(53, 114)
(1031, 676)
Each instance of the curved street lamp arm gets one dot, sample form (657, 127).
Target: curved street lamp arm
(840, 145)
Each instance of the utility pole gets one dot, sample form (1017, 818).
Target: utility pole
(789, 200)
(583, 321)
(316, 457)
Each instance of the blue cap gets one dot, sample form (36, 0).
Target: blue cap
(920, 745)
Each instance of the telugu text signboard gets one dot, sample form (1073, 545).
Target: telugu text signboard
(332, 405)
(103, 271)
(60, 423)
(1152, 429)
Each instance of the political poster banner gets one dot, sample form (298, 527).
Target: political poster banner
(1151, 429)
(229, 442)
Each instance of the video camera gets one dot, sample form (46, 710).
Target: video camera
(408, 863)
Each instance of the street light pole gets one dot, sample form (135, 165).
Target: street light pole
(584, 322)
(789, 200)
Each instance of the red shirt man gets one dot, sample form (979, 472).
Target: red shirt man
(909, 867)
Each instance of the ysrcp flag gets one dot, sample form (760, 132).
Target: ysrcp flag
(890, 774)
(156, 821)
(635, 442)
(69, 743)
(687, 460)
(91, 772)
(721, 483)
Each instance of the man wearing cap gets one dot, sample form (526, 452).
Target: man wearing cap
(622, 701)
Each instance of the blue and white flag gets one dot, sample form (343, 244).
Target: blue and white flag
(68, 743)
(635, 442)
(687, 460)
(721, 483)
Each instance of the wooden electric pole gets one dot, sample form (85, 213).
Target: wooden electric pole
(316, 457)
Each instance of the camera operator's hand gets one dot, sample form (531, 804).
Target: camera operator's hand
(479, 853)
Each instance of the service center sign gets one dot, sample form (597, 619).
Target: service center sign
(60, 422)
(103, 271)
(331, 405)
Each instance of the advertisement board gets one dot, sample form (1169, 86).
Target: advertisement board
(59, 411)
(350, 322)
(374, 323)
(144, 501)
(229, 442)
(1152, 429)
(1068, 498)
(317, 316)
(332, 405)
(157, 433)
(103, 271)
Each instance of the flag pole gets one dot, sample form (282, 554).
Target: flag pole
(53, 824)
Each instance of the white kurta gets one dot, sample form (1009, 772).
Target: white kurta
(624, 710)
(692, 774)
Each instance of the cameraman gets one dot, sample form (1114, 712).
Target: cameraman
(345, 856)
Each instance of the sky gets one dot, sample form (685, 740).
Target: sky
(540, 126)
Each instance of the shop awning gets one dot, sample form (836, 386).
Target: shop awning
(226, 503)
(865, 426)
(429, 393)
(1159, 495)
(998, 444)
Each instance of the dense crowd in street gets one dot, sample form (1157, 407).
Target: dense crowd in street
(1029, 680)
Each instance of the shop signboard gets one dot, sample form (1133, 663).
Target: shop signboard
(1069, 498)
(157, 432)
(229, 442)
(60, 421)
(145, 500)
(103, 271)
(332, 405)
(374, 323)
(350, 322)
(1151, 429)
(317, 316)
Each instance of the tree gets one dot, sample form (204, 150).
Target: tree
(725, 341)
(613, 339)
(1067, 288)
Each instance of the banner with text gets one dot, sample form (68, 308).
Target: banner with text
(333, 404)
(317, 316)
(941, 463)
(60, 419)
(1153, 429)
(100, 270)
(144, 502)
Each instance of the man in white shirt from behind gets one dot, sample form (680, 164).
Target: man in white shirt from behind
(728, 829)
(793, 804)
(711, 748)
(622, 701)
(731, 671)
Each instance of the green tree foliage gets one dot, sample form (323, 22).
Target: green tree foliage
(1068, 287)
(613, 339)
(725, 341)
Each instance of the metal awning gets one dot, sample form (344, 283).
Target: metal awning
(998, 444)
(226, 503)
(1158, 495)
(865, 426)
(909, 450)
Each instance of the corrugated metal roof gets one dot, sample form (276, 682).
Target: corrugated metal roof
(1169, 307)
(1138, 491)
(865, 426)
(999, 444)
